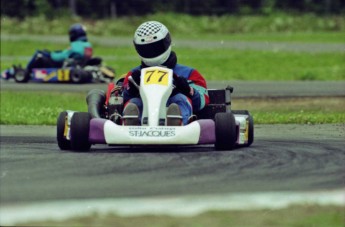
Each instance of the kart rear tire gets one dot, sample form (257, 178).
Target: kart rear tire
(226, 134)
(20, 75)
(79, 76)
(250, 128)
(63, 143)
(80, 126)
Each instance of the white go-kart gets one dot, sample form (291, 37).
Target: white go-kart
(216, 124)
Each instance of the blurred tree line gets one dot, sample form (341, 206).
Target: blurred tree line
(99, 9)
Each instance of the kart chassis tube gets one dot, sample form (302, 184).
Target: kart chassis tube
(95, 99)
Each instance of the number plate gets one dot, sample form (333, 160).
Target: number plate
(157, 76)
(63, 74)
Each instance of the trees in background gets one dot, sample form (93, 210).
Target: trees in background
(114, 8)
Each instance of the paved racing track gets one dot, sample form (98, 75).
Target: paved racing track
(282, 158)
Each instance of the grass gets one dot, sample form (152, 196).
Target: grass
(294, 216)
(304, 110)
(42, 108)
(187, 25)
(294, 37)
(38, 108)
(214, 64)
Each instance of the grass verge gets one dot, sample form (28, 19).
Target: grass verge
(214, 63)
(302, 110)
(42, 108)
(187, 24)
(298, 216)
(38, 108)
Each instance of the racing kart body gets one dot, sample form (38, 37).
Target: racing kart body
(215, 124)
(71, 72)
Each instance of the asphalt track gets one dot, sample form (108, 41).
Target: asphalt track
(282, 158)
(242, 89)
(200, 44)
(285, 163)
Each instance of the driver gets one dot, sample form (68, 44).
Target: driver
(152, 42)
(79, 51)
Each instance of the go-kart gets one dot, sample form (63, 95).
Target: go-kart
(215, 124)
(71, 72)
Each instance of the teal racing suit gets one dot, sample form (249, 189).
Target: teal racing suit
(79, 50)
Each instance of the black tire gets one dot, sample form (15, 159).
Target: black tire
(251, 125)
(20, 75)
(80, 126)
(63, 143)
(79, 76)
(226, 134)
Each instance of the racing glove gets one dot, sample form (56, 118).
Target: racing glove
(132, 89)
(182, 85)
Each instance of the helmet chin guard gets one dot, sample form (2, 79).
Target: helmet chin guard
(153, 43)
(159, 60)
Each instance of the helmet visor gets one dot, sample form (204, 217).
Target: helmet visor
(155, 49)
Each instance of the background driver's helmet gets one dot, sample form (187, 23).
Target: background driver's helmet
(153, 43)
(77, 32)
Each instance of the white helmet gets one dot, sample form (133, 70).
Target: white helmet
(153, 43)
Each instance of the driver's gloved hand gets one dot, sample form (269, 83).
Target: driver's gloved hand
(132, 89)
(182, 85)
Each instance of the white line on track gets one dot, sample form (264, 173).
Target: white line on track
(10, 214)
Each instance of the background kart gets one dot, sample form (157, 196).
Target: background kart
(216, 124)
(71, 72)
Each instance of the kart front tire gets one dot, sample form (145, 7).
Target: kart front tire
(80, 126)
(226, 135)
(20, 76)
(63, 143)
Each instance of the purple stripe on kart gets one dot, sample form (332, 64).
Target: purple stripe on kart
(96, 133)
(207, 131)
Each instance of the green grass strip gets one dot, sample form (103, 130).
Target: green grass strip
(187, 25)
(296, 216)
(214, 64)
(37, 108)
(43, 108)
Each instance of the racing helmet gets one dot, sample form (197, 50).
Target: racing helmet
(77, 32)
(153, 43)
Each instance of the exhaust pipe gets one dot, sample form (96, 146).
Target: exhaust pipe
(95, 100)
